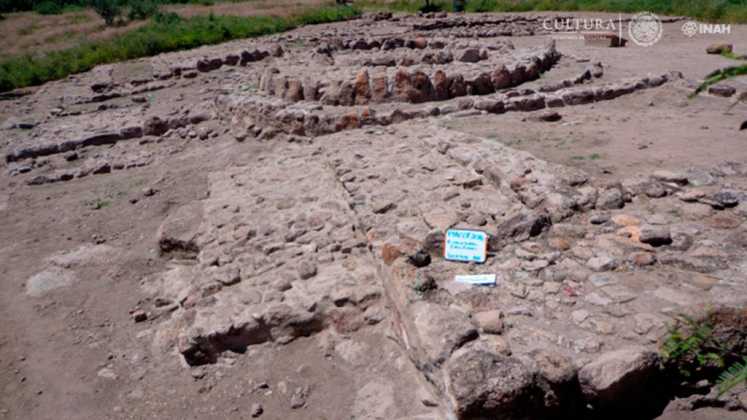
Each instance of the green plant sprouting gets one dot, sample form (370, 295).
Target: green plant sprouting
(733, 376)
(690, 347)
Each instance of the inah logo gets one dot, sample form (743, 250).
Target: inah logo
(690, 28)
(645, 29)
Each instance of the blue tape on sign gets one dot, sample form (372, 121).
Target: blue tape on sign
(466, 245)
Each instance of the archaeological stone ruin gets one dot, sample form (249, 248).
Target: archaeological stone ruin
(328, 176)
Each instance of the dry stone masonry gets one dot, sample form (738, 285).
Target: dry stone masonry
(339, 224)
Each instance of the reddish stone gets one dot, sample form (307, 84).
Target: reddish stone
(501, 78)
(440, 86)
(294, 92)
(362, 88)
(348, 122)
(389, 253)
(379, 87)
(402, 85)
(559, 243)
(642, 259)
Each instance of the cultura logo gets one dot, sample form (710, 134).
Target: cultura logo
(645, 29)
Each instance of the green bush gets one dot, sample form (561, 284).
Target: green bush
(480, 6)
(48, 7)
(109, 10)
(690, 348)
(166, 18)
(166, 32)
(142, 9)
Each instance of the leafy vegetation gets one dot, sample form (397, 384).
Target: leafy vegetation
(735, 375)
(720, 75)
(165, 32)
(406, 6)
(109, 10)
(691, 348)
(142, 9)
(48, 8)
(60, 6)
(723, 73)
(700, 349)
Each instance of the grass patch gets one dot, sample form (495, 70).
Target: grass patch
(405, 6)
(28, 30)
(98, 203)
(61, 37)
(593, 156)
(77, 18)
(163, 34)
(733, 56)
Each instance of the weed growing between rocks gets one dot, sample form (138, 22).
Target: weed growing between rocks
(719, 76)
(690, 348)
(98, 203)
(733, 376)
(707, 350)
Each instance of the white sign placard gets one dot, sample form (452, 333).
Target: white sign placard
(466, 245)
(476, 279)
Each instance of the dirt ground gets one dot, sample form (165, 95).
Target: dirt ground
(661, 129)
(82, 254)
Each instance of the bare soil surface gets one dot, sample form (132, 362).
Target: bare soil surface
(656, 129)
(247, 231)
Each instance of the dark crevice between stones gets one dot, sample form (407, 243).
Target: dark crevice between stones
(203, 350)
(176, 248)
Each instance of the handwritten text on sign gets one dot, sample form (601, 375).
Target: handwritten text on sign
(466, 245)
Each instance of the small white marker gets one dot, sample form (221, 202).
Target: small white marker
(476, 279)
